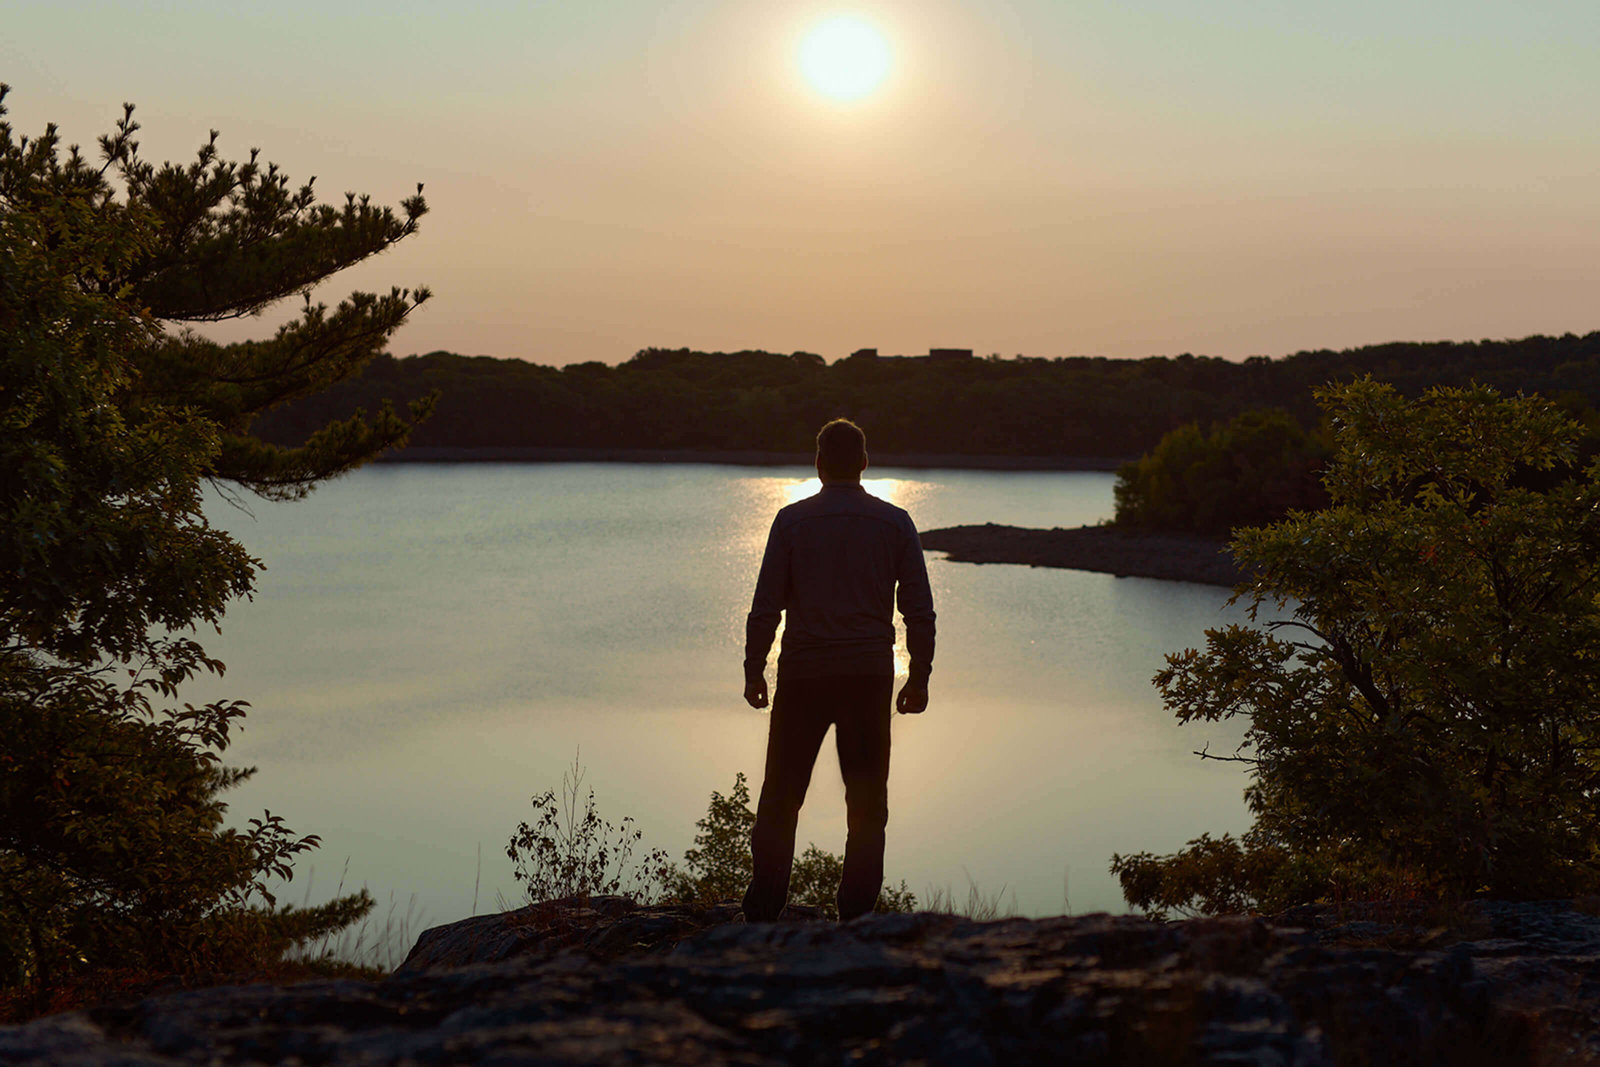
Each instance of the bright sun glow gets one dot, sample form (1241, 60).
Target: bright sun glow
(895, 491)
(845, 58)
(890, 489)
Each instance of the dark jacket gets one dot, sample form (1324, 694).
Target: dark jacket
(832, 564)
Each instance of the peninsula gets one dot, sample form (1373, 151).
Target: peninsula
(1106, 549)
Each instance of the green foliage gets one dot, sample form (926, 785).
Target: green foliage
(566, 853)
(95, 495)
(720, 865)
(1426, 715)
(1256, 874)
(112, 848)
(1250, 471)
(1217, 876)
(814, 882)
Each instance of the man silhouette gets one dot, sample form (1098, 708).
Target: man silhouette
(832, 564)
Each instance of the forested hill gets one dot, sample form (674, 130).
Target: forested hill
(1080, 406)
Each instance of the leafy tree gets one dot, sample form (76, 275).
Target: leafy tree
(1425, 719)
(112, 848)
(1252, 470)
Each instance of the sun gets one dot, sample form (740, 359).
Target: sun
(844, 57)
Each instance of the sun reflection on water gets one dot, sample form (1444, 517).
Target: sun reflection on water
(897, 491)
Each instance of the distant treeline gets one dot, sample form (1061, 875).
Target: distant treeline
(1078, 406)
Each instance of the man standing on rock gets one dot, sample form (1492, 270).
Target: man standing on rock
(832, 564)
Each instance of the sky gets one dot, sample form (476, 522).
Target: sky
(1038, 177)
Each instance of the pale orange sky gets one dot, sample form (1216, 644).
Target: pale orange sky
(1048, 177)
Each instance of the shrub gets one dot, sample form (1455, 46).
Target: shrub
(1251, 470)
(1426, 719)
(566, 852)
(719, 866)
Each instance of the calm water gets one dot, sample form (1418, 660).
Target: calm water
(432, 644)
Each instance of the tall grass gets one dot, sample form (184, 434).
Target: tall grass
(375, 944)
(978, 906)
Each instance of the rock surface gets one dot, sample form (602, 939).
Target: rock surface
(1091, 548)
(618, 985)
(603, 925)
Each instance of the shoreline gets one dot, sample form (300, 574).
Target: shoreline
(1103, 549)
(737, 458)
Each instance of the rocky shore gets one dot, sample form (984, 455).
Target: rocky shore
(605, 982)
(1105, 549)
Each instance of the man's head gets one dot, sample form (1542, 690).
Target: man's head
(841, 452)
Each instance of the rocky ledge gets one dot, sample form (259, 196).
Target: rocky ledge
(610, 983)
(1092, 548)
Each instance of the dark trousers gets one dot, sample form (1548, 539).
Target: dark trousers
(858, 707)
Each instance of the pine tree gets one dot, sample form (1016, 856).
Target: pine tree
(113, 416)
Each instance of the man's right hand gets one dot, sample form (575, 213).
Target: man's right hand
(913, 699)
(755, 691)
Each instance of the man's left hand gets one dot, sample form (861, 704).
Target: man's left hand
(755, 691)
(913, 699)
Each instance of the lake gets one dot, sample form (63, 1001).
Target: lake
(430, 645)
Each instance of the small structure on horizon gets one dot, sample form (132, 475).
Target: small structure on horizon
(933, 353)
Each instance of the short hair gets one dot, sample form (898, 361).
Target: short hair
(841, 449)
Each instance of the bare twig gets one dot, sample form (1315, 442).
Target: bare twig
(1205, 753)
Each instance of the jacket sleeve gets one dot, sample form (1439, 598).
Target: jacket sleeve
(916, 607)
(771, 597)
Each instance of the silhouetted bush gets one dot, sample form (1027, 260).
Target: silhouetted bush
(1250, 471)
(1423, 721)
(720, 864)
(569, 853)
(566, 852)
